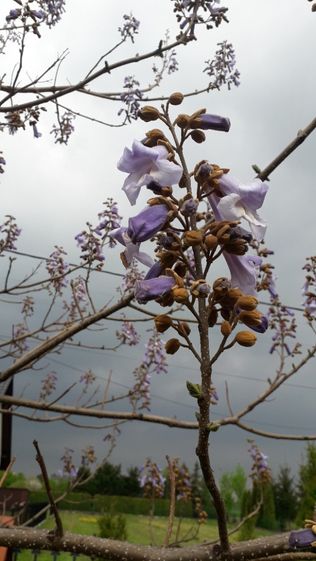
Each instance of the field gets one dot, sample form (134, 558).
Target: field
(139, 530)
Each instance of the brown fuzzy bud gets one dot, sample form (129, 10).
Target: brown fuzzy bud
(180, 295)
(220, 287)
(193, 237)
(225, 313)
(245, 338)
(162, 323)
(212, 317)
(172, 346)
(198, 136)
(176, 98)
(247, 303)
(234, 294)
(148, 113)
(184, 328)
(211, 241)
(155, 134)
(182, 121)
(226, 328)
(252, 319)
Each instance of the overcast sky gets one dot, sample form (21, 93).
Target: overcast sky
(53, 190)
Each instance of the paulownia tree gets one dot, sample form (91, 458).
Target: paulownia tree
(197, 215)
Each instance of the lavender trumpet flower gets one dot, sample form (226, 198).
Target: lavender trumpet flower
(144, 165)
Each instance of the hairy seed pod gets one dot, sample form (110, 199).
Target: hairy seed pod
(198, 136)
(162, 323)
(148, 113)
(172, 346)
(226, 328)
(176, 98)
(245, 338)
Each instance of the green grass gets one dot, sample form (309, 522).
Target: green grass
(140, 530)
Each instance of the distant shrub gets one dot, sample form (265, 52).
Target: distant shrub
(112, 526)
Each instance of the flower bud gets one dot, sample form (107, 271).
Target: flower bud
(211, 241)
(198, 136)
(220, 287)
(176, 98)
(234, 294)
(226, 328)
(245, 338)
(148, 113)
(251, 319)
(155, 134)
(193, 237)
(247, 303)
(162, 323)
(182, 121)
(180, 295)
(172, 346)
(184, 328)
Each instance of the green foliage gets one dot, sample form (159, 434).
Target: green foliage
(106, 503)
(233, 486)
(285, 498)
(16, 480)
(247, 531)
(307, 486)
(108, 480)
(112, 526)
(267, 516)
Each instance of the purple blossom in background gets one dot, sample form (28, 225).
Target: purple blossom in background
(240, 201)
(27, 307)
(151, 289)
(144, 165)
(87, 379)
(90, 245)
(208, 14)
(131, 98)
(151, 480)
(128, 334)
(48, 385)
(57, 269)
(69, 468)
(36, 132)
(155, 362)
(10, 232)
(13, 14)
(309, 288)
(222, 68)
(132, 275)
(260, 469)
(53, 10)
(64, 129)
(155, 355)
(19, 338)
(109, 219)
(130, 27)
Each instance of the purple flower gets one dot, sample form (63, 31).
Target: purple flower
(140, 228)
(146, 290)
(243, 270)
(144, 165)
(263, 325)
(36, 132)
(240, 201)
(302, 538)
(211, 122)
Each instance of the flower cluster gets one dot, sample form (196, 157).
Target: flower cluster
(10, 232)
(208, 13)
(131, 97)
(87, 379)
(90, 246)
(64, 129)
(48, 385)
(151, 480)
(260, 471)
(79, 298)
(109, 219)
(69, 469)
(183, 482)
(19, 338)
(185, 235)
(132, 275)
(27, 307)
(309, 288)
(129, 27)
(222, 69)
(154, 362)
(57, 269)
(128, 334)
